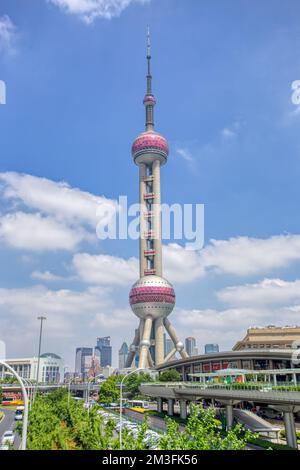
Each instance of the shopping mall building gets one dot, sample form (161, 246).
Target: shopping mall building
(263, 348)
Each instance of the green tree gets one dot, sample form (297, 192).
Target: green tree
(170, 376)
(132, 384)
(202, 432)
(110, 389)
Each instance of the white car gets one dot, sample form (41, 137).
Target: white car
(4, 447)
(8, 438)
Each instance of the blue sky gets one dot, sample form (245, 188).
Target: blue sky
(75, 82)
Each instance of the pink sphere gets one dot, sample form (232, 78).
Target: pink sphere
(150, 143)
(152, 295)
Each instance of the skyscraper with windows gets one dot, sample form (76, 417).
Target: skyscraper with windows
(123, 353)
(190, 346)
(168, 345)
(211, 348)
(103, 351)
(83, 360)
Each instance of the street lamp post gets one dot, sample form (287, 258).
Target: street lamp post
(25, 396)
(28, 384)
(40, 344)
(140, 369)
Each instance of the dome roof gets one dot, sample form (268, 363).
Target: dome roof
(152, 295)
(150, 141)
(50, 355)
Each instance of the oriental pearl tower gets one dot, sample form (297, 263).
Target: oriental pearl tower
(152, 297)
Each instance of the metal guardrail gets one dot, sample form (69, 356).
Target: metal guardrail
(219, 391)
(263, 387)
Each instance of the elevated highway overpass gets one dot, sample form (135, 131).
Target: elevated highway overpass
(286, 401)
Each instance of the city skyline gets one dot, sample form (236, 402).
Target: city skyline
(70, 116)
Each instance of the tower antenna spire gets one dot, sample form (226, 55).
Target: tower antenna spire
(149, 76)
(149, 100)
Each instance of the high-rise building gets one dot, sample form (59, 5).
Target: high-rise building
(152, 298)
(83, 360)
(94, 369)
(168, 345)
(123, 353)
(190, 346)
(103, 350)
(211, 348)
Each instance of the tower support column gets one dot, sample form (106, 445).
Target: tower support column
(159, 341)
(143, 229)
(145, 343)
(157, 218)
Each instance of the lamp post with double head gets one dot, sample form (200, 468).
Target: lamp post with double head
(140, 369)
(25, 397)
(39, 353)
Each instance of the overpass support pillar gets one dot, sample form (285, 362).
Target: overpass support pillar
(85, 394)
(229, 417)
(159, 405)
(290, 429)
(170, 406)
(183, 409)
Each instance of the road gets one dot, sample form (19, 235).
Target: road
(8, 422)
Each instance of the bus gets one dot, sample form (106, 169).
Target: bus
(138, 404)
(11, 401)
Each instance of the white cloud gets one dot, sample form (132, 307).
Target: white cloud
(47, 276)
(244, 256)
(241, 256)
(232, 131)
(52, 216)
(105, 269)
(185, 154)
(181, 265)
(89, 10)
(73, 319)
(54, 198)
(37, 233)
(266, 292)
(228, 133)
(226, 327)
(7, 34)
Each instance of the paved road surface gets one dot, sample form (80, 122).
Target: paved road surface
(7, 423)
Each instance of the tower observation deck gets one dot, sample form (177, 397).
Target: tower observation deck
(152, 298)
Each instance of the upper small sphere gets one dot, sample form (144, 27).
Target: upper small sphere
(150, 146)
(152, 296)
(149, 99)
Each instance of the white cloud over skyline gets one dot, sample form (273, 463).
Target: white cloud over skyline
(40, 215)
(266, 292)
(89, 10)
(73, 318)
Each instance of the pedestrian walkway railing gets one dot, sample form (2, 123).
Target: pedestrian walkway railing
(260, 387)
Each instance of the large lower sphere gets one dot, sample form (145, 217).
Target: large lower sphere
(152, 296)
